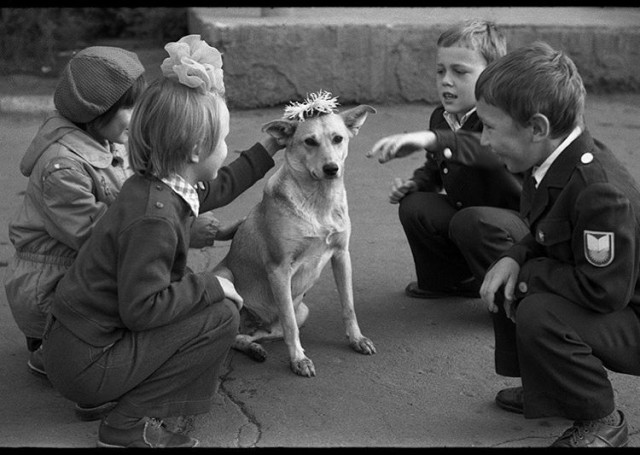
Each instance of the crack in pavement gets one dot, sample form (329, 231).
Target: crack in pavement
(250, 433)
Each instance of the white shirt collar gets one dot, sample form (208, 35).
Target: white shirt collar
(540, 171)
(453, 122)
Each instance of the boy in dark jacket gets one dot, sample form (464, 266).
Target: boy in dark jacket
(458, 211)
(566, 297)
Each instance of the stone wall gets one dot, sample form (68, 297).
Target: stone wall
(269, 63)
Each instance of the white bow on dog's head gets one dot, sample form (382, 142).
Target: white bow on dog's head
(315, 104)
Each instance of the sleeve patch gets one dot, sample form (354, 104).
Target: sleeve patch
(599, 248)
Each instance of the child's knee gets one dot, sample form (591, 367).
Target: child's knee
(408, 209)
(229, 316)
(534, 318)
(466, 226)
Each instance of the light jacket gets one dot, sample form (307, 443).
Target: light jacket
(72, 180)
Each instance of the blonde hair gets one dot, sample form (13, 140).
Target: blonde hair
(168, 123)
(535, 79)
(477, 35)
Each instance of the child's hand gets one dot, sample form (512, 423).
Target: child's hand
(272, 145)
(227, 231)
(400, 189)
(204, 230)
(401, 145)
(502, 273)
(230, 291)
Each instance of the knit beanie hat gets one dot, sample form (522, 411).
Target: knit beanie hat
(94, 80)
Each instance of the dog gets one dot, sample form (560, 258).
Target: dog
(302, 222)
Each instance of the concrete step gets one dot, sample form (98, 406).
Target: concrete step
(387, 55)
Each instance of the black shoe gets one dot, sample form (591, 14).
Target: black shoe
(469, 289)
(511, 399)
(148, 433)
(592, 433)
(89, 413)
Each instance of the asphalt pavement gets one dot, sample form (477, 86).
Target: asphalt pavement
(432, 381)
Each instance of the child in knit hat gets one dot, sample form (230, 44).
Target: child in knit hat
(76, 164)
(131, 323)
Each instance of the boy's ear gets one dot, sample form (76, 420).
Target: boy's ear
(540, 127)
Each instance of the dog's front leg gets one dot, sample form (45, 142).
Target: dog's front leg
(280, 282)
(341, 265)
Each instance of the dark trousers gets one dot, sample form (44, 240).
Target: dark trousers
(450, 245)
(167, 371)
(562, 351)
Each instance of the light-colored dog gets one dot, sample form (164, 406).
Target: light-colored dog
(281, 248)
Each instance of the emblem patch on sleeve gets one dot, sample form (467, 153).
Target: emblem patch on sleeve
(599, 248)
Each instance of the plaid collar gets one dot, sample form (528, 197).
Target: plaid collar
(453, 122)
(184, 190)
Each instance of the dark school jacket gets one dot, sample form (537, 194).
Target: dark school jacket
(584, 243)
(471, 174)
(132, 274)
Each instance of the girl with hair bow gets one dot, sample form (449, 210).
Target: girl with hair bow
(131, 324)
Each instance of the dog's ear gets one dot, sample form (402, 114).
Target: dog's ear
(354, 118)
(281, 130)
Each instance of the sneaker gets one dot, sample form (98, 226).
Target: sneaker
(469, 289)
(148, 432)
(89, 413)
(592, 433)
(511, 399)
(36, 363)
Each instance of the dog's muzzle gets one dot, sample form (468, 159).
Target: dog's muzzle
(330, 170)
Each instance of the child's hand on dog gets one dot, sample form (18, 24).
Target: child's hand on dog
(204, 231)
(272, 145)
(228, 231)
(401, 145)
(230, 291)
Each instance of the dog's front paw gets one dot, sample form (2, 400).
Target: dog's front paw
(303, 367)
(256, 352)
(363, 345)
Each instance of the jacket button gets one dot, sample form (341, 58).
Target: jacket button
(159, 205)
(586, 158)
(447, 153)
(522, 287)
(458, 204)
(445, 170)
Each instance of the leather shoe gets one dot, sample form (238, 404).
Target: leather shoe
(147, 433)
(592, 433)
(469, 289)
(180, 424)
(511, 399)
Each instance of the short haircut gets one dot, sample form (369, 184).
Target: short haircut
(126, 101)
(168, 123)
(477, 35)
(535, 79)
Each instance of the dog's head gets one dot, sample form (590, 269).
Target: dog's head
(317, 145)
